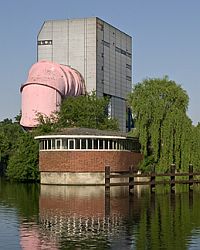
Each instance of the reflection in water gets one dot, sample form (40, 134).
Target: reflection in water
(77, 216)
(58, 217)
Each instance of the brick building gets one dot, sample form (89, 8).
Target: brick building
(79, 155)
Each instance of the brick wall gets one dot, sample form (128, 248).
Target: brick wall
(87, 161)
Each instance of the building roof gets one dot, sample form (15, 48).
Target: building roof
(89, 131)
(84, 132)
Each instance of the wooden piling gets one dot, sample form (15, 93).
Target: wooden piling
(172, 177)
(131, 179)
(107, 179)
(152, 179)
(191, 177)
(107, 191)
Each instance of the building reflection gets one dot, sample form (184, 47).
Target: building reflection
(80, 213)
(32, 237)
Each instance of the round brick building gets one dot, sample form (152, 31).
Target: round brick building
(78, 156)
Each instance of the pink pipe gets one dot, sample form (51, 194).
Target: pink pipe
(47, 84)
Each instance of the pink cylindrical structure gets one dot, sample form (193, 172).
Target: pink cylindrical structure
(47, 84)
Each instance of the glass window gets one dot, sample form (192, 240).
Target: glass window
(106, 144)
(89, 143)
(77, 143)
(71, 144)
(48, 144)
(58, 144)
(121, 144)
(95, 144)
(65, 143)
(100, 144)
(83, 143)
(53, 143)
(45, 144)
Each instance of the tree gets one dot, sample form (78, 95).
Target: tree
(9, 134)
(87, 111)
(23, 164)
(159, 109)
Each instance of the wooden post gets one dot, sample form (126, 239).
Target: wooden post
(107, 191)
(172, 178)
(152, 179)
(191, 176)
(131, 179)
(107, 178)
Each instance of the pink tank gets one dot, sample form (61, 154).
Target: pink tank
(47, 84)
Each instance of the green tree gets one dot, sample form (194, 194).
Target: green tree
(195, 146)
(87, 111)
(9, 134)
(159, 108)
(23, 164)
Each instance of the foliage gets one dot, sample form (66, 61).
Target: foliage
(23, 164)
(165, 132)
(87, 111)
(46, 124)
(9, 134)
(195, 147)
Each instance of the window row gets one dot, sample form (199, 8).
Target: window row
(88, 144)
(45, 42)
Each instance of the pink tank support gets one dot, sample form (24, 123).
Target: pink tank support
(47, 84)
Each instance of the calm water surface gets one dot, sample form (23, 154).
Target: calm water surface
(58, 217)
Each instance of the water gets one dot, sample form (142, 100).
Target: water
(57, 217)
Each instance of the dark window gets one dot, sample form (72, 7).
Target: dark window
(110, 144)
(71, 144)
(107, 44)
(89, 143)
(48, 144)
(45, 144)
(53, 143)
(128, 54)
(118, 49)
(77, 143)
(45, 42)
(100, 144)
(106, 144)
(128, 66)
(95, 144)
(83, 143)
(128, 78)
(58, 144)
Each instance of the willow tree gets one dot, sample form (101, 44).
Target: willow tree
(159, 109)
(195, 147)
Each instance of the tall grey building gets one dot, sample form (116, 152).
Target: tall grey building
(99, 51)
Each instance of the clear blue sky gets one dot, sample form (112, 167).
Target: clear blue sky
(166, 40)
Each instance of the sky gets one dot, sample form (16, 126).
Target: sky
(165, 36)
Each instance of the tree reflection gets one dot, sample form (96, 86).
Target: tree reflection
(61, 217)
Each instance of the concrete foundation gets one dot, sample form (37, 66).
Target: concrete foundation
(69, 178)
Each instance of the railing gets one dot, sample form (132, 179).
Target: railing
(152, 178)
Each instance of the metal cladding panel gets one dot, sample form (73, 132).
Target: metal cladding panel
(46, 31)
(45, 54)
(60, 43)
